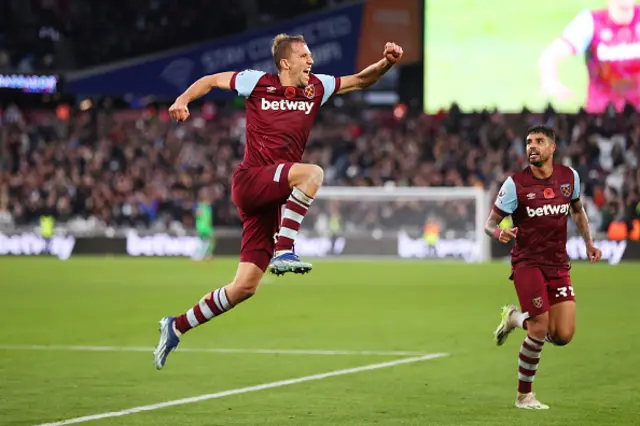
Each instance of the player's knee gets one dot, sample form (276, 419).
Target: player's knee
(562, 338)
(245, 283)
(241, 289)
(537, 327)
(306, 174)
(316, 174)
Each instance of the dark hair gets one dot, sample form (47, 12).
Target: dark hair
(545, 130)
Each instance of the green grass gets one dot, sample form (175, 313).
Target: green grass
(410, 306)
(485, 54)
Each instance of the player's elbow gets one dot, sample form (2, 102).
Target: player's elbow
(556, 51)
(546, 58)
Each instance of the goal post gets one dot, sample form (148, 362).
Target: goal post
(402, 222)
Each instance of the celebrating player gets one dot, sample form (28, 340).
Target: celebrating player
(539, 198)
(281, 109)
(610, 38)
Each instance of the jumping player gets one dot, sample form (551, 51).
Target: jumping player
(610, 39)
(539, 198)
(281, 109)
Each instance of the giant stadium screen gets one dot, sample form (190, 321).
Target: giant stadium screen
(485, 54)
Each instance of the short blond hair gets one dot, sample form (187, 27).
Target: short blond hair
(281, 47)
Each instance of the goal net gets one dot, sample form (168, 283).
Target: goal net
(417, 222)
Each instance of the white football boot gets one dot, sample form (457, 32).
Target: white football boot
(528, 401)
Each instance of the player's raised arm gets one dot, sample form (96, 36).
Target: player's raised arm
(371, 74)
(180, 111)
(506, 203)
(579, 216)
(575, 40)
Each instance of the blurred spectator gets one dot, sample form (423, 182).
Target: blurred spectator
(137, 169)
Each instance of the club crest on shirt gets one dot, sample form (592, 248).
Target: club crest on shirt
(566, 189)
(310, 91)
(537, 302)
(548, 193)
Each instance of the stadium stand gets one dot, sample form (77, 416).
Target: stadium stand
(68, 34)
(137, 169)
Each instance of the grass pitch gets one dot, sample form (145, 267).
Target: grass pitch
(421, 307)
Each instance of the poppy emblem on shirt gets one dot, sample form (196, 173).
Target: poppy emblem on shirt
(310, 91)
(548, 193)
(566, 189)
(290, 92)
(606, 34)
(537, 302)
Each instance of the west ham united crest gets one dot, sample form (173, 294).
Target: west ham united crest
(310, 91)
(537, 302)
(566, 189)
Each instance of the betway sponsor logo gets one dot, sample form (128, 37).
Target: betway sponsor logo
(618, 52)
(160, 245)
(611, 250)
(319, 246)
(417, 248)
(286, 105)
(31, 244)
(548, 210)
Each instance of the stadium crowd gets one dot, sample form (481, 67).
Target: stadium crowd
(139, 169)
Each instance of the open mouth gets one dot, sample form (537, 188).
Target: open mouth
(534, 155)
(307, 71)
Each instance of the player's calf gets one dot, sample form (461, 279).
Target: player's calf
(245, 284)
(212, 305)
(529, 356)
(305, 181)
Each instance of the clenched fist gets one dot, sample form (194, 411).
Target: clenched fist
(179, 111)
(392, 52)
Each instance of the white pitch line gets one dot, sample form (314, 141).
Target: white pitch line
(244, 390)
(208, 350)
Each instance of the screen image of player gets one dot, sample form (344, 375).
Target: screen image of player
(487, 54)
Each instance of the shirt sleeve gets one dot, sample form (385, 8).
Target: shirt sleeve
(244, 82)
(579, 32)
(507, 200)
(330, 84)
(576, 185)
